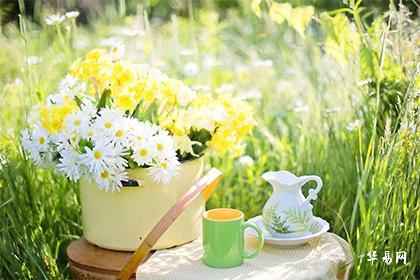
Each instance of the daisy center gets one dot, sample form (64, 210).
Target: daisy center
(143, 152)
(119, 133)
(41, 140)
(139, 138)
(160, 147)
(77, 122)
(108, 124)
(90, 133)
(105, 174)
(164, 165)
(97, 154)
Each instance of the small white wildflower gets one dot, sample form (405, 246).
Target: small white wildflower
(130, 32)
(33, 60)
(364, 82)
(225, 88)
(190, 69)
(332, 110)
(263, 63)
(110, 41)
(246, 161)
(187, 52)
(118, 51)
(72, 14)
(301, 107)
(354, 125)
(54, 19)
(250, 94)
(201, 87)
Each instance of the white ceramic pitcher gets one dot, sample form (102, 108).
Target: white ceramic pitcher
(288, 213)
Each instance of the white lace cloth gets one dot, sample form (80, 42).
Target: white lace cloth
(327, 257)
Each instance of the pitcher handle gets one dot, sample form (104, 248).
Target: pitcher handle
(312, 192)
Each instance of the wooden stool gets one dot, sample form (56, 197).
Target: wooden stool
(88, 261)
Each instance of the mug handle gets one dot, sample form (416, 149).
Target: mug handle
(312, 192)
(246, 254)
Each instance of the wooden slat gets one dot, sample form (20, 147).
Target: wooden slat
(210, 180)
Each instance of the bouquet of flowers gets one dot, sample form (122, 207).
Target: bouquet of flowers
(110, 115)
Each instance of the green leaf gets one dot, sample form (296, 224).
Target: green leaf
(279, 12)
(201, 136)
(297, 18)
(368, 61)
(300, 18)
(255, 5)
(78, 101)
(105, 100)
(342, 40)
(149, 114)
(136, 110)
(83, 143)
(301, 220)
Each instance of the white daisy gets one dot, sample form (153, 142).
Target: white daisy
(121, 136)
(76, 122)
(70, 86)
(163, 146)
(79, 121)
(37, 146)
(107, 123)
(56, 98)
(64, 140)
(101, 157)
(26, 140)
(40, 139)
(88, 132)
(110, 179)
(139, 131)
(69, 163)
(164, 170)
(143, 153)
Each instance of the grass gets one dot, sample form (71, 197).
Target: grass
(304, 101)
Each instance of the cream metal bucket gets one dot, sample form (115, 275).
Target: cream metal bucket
(120, 220)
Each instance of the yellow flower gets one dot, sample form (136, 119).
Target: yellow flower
(125, 101)
(53, 116)
(122, 75)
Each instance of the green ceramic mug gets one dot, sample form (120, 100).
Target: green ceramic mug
(223, 238)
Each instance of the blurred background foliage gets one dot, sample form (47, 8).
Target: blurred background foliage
(163, 9)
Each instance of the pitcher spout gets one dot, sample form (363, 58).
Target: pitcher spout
(278, 178)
